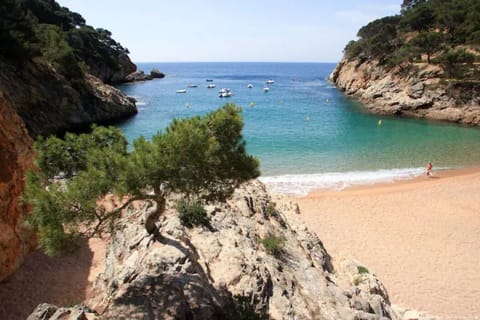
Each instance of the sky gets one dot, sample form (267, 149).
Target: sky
(233, 30)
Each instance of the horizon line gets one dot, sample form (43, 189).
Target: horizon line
(247, 61)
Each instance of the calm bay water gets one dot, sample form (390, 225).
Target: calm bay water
(305, 132)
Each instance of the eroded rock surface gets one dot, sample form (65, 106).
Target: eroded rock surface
(216, 272)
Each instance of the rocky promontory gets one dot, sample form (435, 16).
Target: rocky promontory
(225, 271)
(140, 75)
(419, 92)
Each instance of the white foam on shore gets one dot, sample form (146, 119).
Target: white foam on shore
(302, 184)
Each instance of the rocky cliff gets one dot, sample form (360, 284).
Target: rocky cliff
(15, 159)
(417, 92)
(49, 69)
(35, 100)
(224, 271)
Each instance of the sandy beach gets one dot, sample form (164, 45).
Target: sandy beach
(421, 237)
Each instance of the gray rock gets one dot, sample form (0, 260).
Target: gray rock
(200, 273)
(416, 91)
(156, 74)
(419, 93)
(47, 311)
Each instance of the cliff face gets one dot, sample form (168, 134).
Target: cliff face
(34, 99)
(15, 159)
(48, 103)
(224, 272)
(418, 92)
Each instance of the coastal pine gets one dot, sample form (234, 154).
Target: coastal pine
(203, 158)
(445, 32)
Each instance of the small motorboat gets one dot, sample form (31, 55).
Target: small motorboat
(250, 86)
(211, 86)
(225, 93)
(181, 91)
(270, 81)
(209, 80)
(266, 89)
(192, 86)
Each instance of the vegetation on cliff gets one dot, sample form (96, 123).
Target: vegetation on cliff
(203, 158)
(442, 32)
(42, 29)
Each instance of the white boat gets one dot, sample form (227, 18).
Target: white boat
(181, 91)
(270, 81)
(266, 89)
(225, 93)
(211, 86)
(250, 86)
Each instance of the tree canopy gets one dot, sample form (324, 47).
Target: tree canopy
(431, 28)
(42, 29)
(203, 158)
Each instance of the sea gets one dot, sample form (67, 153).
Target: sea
(306, 133)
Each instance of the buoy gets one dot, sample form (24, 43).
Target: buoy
(379, 122)
(307, 119)
(187, 105)
(252, 104)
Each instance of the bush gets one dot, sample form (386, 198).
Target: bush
(274, 245)
(457, 63)
(192, 214)
(271, 211)
(362, 269)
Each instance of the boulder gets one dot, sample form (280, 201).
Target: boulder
(137, 76)
(155, 73)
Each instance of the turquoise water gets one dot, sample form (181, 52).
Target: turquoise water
(305, 132)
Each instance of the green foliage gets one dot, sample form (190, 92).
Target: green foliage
(420, 17)
(201, 157)
(192, 214)
(271, 211)
(42, 28)
(428, 42)
(353, 49)
(274, 245)
(362, 269)
(424, 27)
(457, 63)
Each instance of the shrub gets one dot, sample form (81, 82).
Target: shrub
(192, 214)
(274, 245)
(362, 269)
(271, 211)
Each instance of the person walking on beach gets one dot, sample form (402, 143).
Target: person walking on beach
(428, 170)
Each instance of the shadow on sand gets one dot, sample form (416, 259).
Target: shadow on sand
(62, 281)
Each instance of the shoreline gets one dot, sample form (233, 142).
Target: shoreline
(437, 176)
(420, 236)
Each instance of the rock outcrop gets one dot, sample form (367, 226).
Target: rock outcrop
(48, 103)
(224, 270)
(140, 75)
(417, 92)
